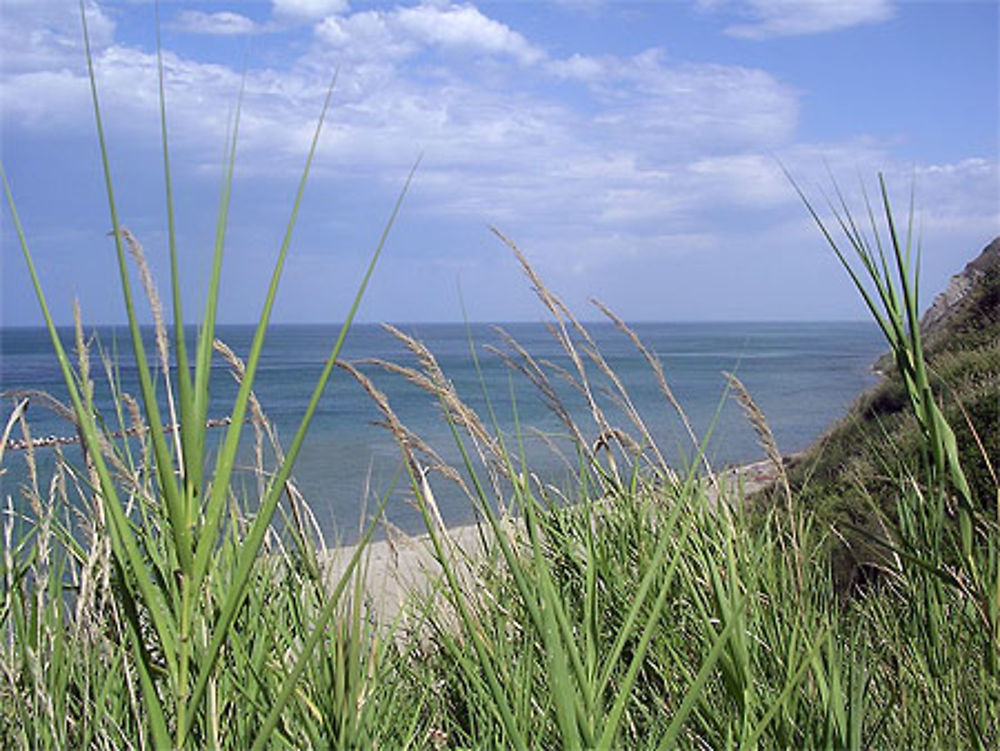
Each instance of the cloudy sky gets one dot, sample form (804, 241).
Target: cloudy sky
(630, 149)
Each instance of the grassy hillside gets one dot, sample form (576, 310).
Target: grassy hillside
(851, 476)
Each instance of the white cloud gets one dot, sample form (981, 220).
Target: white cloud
(959, 196)
(48, 35)
(778, 18)
(632, 155)
(404, 31)
(579, 67)
(692, 106)
(748, 180)
(619, 155)
(221, 23)
(464, 27)
(364, 36)
(46, 100)
(308, 10)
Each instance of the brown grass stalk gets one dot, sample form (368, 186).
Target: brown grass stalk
(156, 306)
(407, 441)
(562, 316)
(766, 439)
(661, 380)
(302, 514)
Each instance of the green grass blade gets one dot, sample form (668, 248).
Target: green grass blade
(123, 542)
(250, 549)
(484, 663)
(227, 454)
(206, 334)
(154, 710)
(644, 590)
(790, 686)
(613, 721)
(694, 692)
(873, 308)
(164, 462)
(318, 632)
(184, 386)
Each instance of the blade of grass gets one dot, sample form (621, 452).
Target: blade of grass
(319, 631)
(123, 542)
(227, 453)
(184, 386)
(164, 463)
(693, 694)
(250, 549)
(206, 334)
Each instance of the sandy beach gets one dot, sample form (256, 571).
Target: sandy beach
(399, 565)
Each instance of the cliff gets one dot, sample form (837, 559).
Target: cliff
(967, 312)
(964, 289)
(851, 474)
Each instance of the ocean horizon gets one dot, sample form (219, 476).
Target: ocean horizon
(803, 376)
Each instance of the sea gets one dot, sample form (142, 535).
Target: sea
(802, 376)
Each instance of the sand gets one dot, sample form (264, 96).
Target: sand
(400, 565)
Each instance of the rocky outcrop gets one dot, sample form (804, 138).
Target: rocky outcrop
(967, 312)
(854, 467)
(957, 294)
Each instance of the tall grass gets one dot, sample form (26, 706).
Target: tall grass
(637, 608)
(183, 558)
(945, 533)
(149, 600)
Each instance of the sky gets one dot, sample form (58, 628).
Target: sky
(632, 150)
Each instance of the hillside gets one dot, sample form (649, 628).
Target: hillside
(854, 468)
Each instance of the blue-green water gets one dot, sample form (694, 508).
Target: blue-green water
(802, 375)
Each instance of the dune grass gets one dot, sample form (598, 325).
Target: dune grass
(151, 601)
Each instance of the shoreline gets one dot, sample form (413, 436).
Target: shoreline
(398, 565)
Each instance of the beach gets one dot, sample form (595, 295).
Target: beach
(399, 565)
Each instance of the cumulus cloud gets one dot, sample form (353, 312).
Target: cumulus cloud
(618, 155)
(642, 150)
(712, 106)
(464, 27)
(221, 23)
(308, 10)
(364, 36)
(47, 35)
(779, 18)
(753, 179)
(959, 196)
(404, 31)
(577, 67)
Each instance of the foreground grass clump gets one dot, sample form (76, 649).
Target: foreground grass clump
(632, 609)
(139, 621)
(653, 611)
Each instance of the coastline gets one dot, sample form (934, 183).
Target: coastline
(399, 565)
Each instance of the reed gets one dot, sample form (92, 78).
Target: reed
(185, 550)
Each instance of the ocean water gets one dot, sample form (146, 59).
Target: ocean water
(802, 375)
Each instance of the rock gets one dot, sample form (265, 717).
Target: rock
(970, 301)
(958, 289)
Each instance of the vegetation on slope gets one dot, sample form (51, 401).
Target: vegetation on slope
(852, 476)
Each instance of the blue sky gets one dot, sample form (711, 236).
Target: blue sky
(630, 149)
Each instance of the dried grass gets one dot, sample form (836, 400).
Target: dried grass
(305, 520)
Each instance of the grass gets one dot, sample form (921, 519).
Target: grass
(150, 600)
(845, 476)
